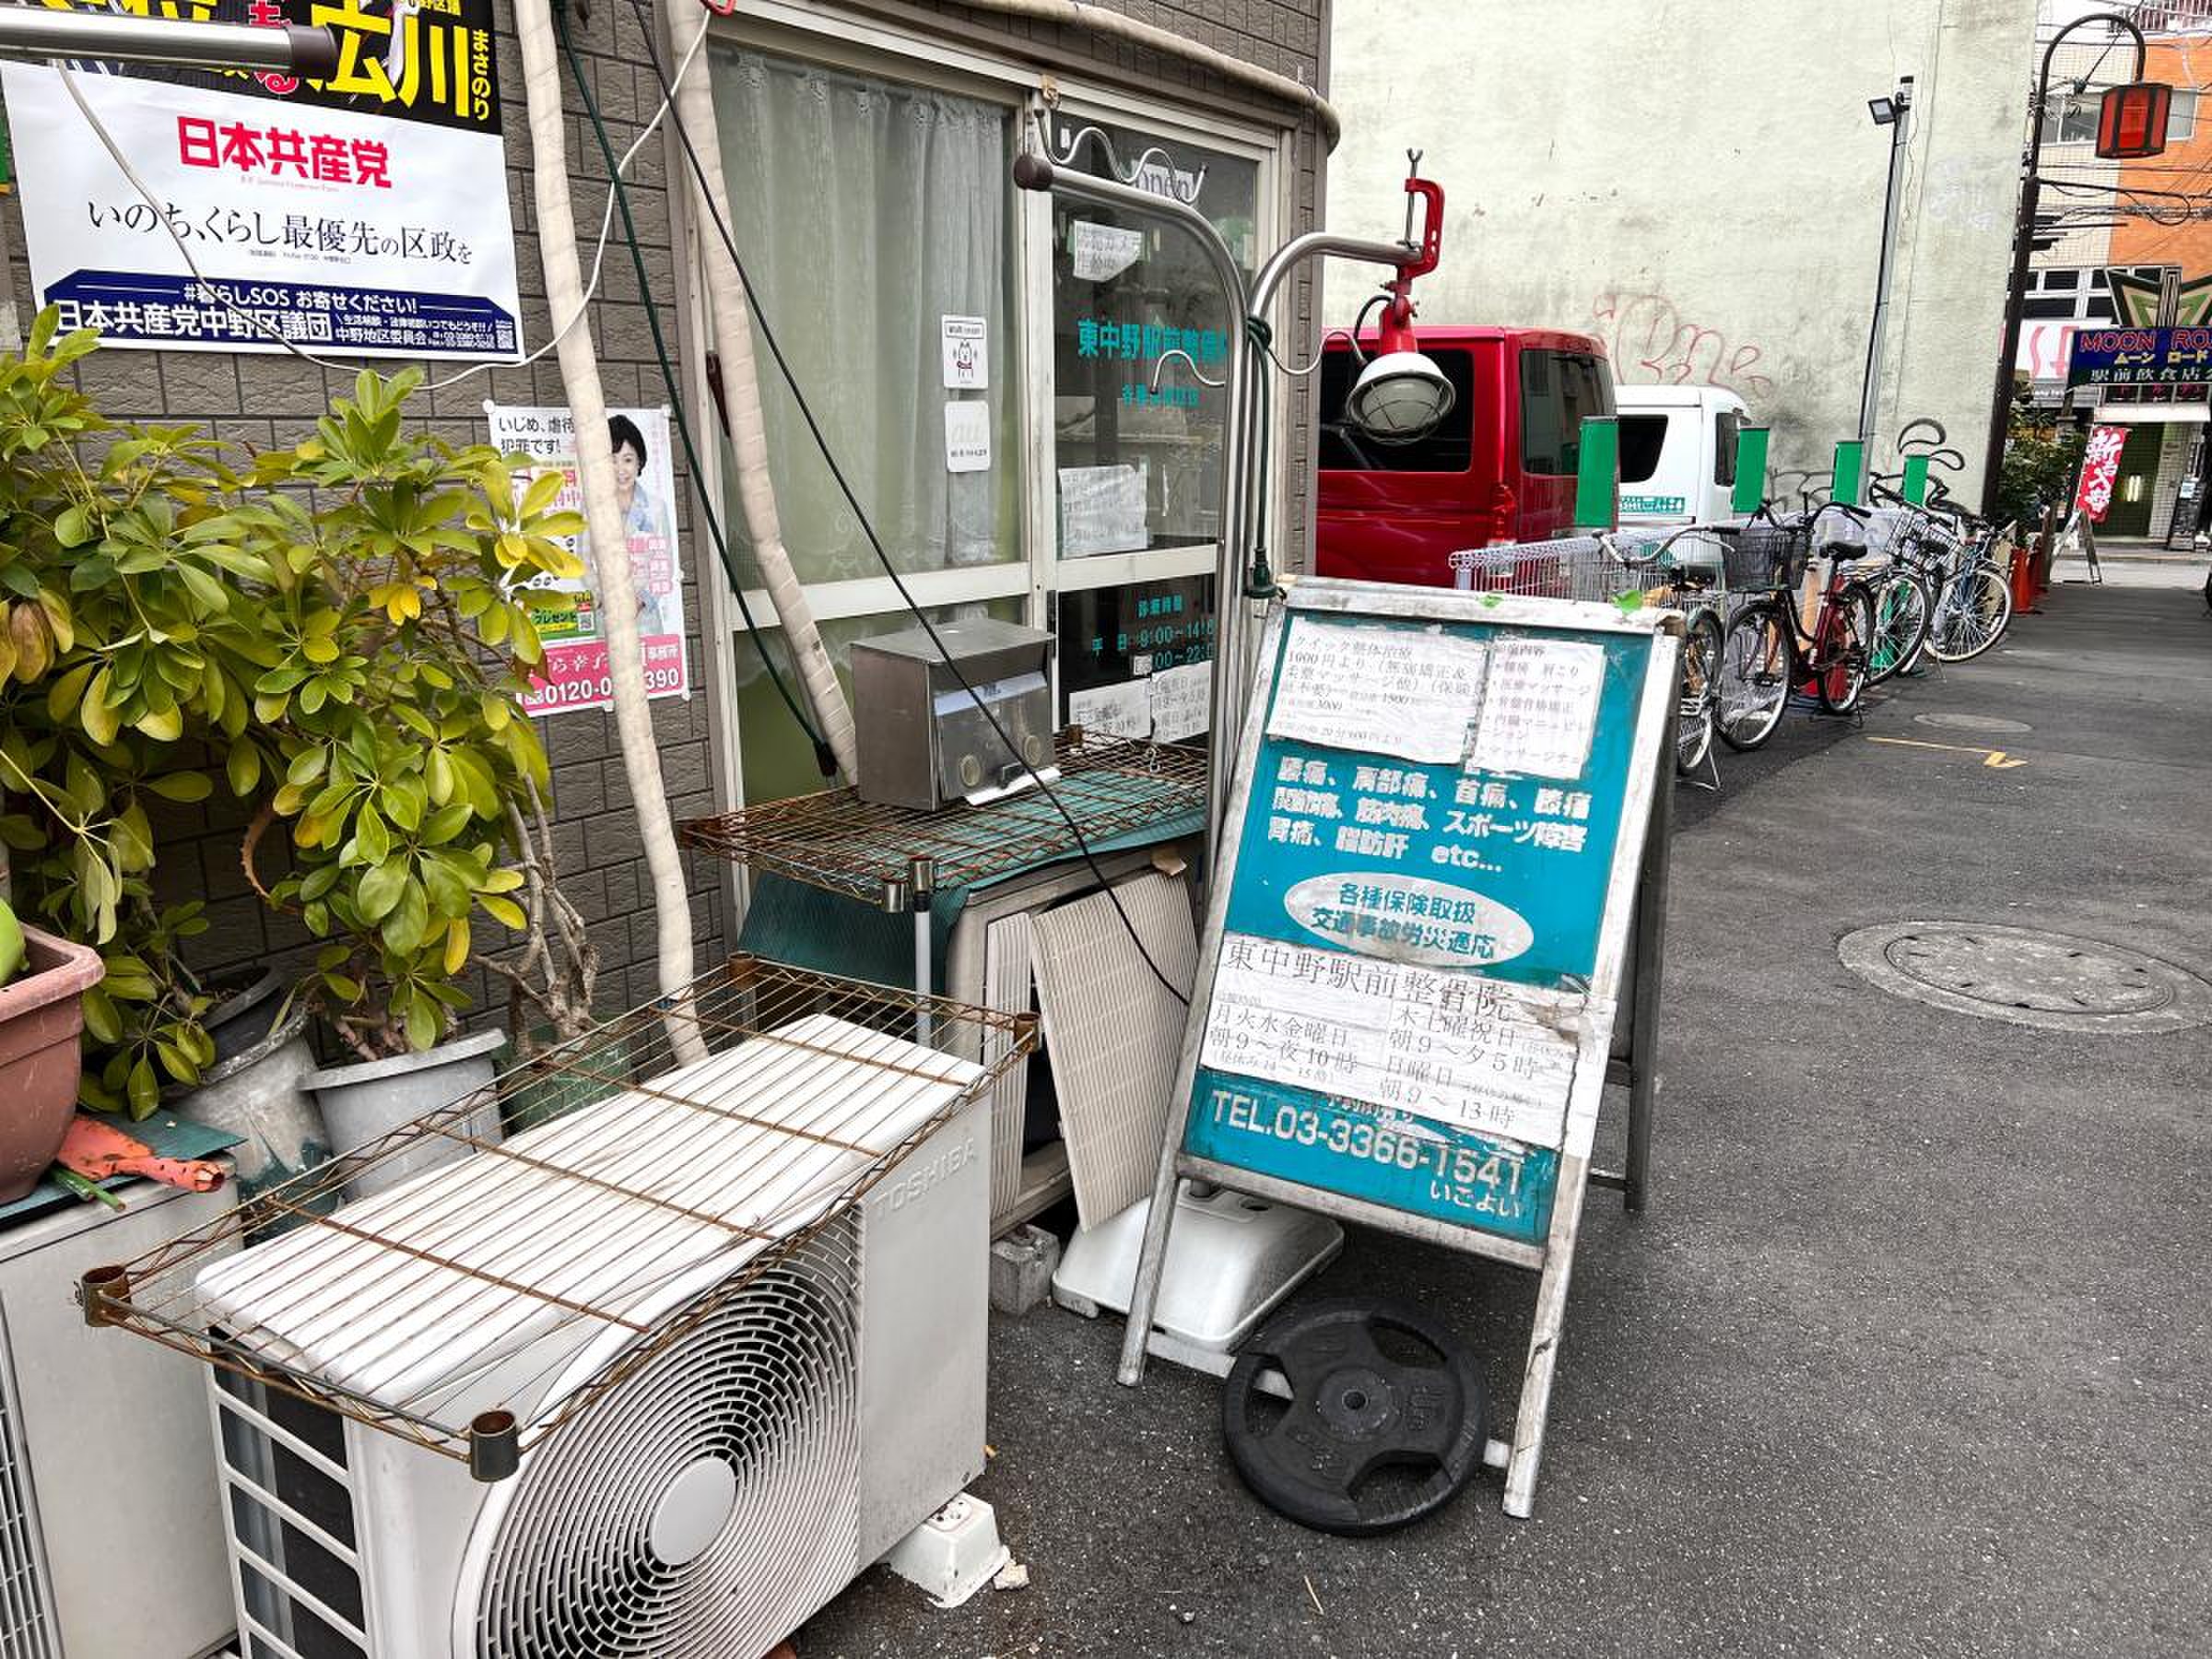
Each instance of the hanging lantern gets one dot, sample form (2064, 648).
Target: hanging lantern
(2130, 123)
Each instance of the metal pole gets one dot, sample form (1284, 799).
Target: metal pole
(28, 32)
(1870, 388)
(2023, 248)
(1034, 172)
(1270, 278)
(922, 884)
(1650, 966)
(1231, 654)
(1300, 248)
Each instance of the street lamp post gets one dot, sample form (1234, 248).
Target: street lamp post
(2023, 243)
(1896, 114)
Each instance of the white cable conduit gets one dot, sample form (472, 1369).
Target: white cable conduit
(595, 476)
(1097, 19)
(733, 322)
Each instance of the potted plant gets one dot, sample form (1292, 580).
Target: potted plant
(127, 637)
(350, 665)
(42, 981)
(388, 712)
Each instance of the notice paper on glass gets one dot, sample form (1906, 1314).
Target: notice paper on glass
(967, 349)
(967, 436)
(1103, 250)
(1120, 709)
(1441, 1044)
(1182, 702)
(1101, 511)
(1540, 710)
(1404, 691)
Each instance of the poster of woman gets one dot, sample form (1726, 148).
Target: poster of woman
(575, 673)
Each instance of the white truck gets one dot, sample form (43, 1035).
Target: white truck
(1677, 454)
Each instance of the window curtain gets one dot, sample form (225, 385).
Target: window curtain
(866, 212)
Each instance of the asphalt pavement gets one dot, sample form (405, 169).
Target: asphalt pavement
(1909, 1354)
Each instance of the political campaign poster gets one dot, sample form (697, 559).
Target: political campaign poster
(361, 216)
(575, 673)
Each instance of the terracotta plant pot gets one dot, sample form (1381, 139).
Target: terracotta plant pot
(42, 1011)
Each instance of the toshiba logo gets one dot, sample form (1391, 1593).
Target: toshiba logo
(914, 1180)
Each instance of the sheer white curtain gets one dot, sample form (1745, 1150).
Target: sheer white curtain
(864, 213)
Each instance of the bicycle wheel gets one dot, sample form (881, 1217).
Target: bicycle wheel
(1971, 616)
(1901, 626)
(1840, 652)
(1696, 716)
(1756, 671)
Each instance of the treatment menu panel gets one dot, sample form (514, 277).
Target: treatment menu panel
(1421, 870)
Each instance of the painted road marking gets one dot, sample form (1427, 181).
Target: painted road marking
(1997, 759)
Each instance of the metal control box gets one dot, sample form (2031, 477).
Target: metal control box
(924, 740)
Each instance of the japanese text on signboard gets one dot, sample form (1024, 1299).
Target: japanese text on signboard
(2140, 357)
(1422, 869)
(347, 214)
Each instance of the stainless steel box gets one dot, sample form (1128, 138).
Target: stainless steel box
(923, 742)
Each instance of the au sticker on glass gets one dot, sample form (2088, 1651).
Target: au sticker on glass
(1408, 919)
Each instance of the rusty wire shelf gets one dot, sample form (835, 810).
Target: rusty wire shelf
(835, 841)
(655, 1167)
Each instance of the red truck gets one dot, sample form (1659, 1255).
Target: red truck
(1499, 467)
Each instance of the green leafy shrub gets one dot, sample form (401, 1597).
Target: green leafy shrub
(387, 709)
(124, 631)
(2038, 464)
(330, 631)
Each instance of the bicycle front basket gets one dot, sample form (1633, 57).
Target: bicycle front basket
(1767, 556)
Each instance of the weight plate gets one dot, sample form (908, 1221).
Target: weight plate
(1366, 1442)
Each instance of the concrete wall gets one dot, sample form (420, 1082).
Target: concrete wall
(1698, 184)
(260, 401)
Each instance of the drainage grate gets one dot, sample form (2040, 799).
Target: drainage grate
(1972, 722)
(2055, 982)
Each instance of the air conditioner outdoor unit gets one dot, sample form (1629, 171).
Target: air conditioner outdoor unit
(108, 1537)
(769, 1385)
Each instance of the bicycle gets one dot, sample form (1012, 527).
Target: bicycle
(1599, 567)
(1902, 597)
(1765, 652)
(1972, 596)
(1693, 589)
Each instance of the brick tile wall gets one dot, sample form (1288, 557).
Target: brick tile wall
(263, 400)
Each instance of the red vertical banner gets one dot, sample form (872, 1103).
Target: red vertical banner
(2100, 471)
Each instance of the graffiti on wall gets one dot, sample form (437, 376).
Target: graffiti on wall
(1961, 194)
(1651, 342)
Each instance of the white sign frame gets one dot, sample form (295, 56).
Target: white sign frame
(1633, 910)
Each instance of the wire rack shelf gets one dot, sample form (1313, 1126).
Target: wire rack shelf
(833, 840)
(1589, 568)
(648, 1172)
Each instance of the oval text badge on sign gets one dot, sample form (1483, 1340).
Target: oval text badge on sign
(1408, 919)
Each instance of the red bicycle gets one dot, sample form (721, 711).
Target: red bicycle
(1768, 650)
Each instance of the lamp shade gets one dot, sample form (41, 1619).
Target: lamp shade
(2131, 121)
(1399, 397)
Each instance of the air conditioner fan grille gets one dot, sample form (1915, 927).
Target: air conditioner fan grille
(769, 1385)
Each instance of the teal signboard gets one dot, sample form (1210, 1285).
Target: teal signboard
(1424, 849)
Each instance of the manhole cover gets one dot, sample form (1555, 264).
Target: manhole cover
(1972, 722)
(2057, 982)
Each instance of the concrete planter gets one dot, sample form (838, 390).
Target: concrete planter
(247, 1015)
(260, 1095)
(364, 1102)
(42, 1011)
